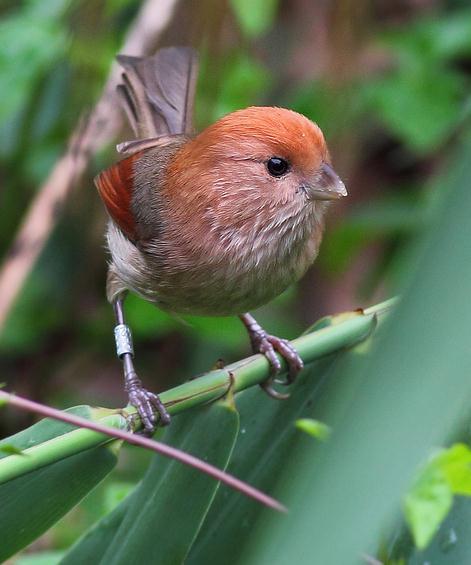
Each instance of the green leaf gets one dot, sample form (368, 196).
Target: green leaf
(430, 498)
(255, 17)
(455, 463)
(171, 495)
(427, 504)
(91, 547)
(422, 100)
(244, 81)
(433, 39)
(115, 493)
(266, 442)
(9, 449)
(45, 430)
(32, 40)
(450, 546)
(388, 408)
(314, 428)
(31, 504)
(419, 109)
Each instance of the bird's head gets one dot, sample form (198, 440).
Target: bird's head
(272, 154)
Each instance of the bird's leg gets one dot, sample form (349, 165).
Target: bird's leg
(149, 406)
(269, 345)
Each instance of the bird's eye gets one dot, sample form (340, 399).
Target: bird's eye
(277, 166)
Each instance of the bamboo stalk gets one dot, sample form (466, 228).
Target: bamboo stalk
(56, 449)
(341, 332)
(204, 389)
(254, 370)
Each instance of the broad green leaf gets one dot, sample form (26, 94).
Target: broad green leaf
(171, 495)
(31, 504)
(46, 429)
(388, 411)
(266, 440)
(91, 547)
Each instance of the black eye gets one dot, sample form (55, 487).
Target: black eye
(277, 166)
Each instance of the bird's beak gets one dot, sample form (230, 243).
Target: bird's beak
(327, 185)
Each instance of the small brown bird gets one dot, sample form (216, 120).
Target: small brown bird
(213, 224)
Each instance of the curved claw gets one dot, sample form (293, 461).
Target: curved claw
(150, 409)
(289, 353)
(269, 345)
(267, 386)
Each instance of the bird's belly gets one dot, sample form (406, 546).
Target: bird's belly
(230, 287)
(219, 295)
(222, 286)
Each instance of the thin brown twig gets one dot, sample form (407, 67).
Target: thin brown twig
(157, 446)
(98, 129)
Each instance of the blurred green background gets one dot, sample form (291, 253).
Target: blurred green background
(389, 84)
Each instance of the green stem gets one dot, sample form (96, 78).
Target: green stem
(337, 333)
(57, 448)
(254, 370)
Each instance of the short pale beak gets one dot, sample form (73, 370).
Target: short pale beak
(327, 186)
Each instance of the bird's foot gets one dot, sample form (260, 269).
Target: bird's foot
(270, 345)
(150, 408)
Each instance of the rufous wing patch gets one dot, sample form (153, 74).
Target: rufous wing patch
(115, 186)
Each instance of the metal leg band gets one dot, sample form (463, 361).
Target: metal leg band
(123, 339)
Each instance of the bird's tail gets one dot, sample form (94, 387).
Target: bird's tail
(157, 92)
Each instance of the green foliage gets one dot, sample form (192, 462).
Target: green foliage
(9, 449)
(421, 101)
(430, 499)
(395, 215)
(416, 397)
(255, 16)
(314, 428)
(33, 39)
(268, 439)
(48, 445)
(32, 503)
(169, 493)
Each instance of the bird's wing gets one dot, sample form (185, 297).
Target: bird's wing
(158, 91)
(131, 201)
(115, 186)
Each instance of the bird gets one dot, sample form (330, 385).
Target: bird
(214, 223)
